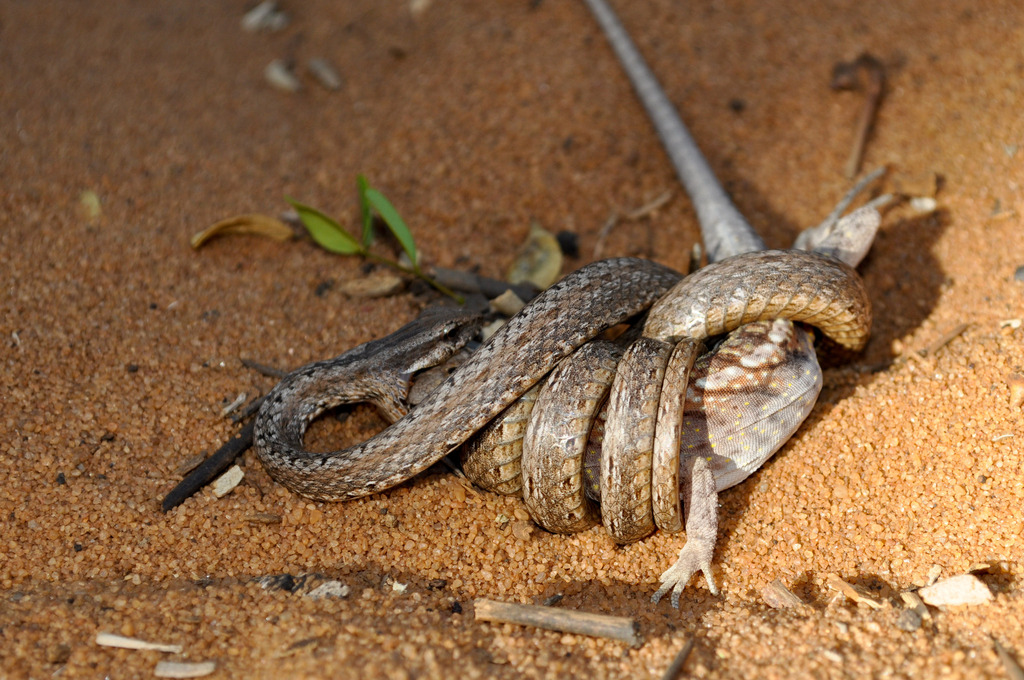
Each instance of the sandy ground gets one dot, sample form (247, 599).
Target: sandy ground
(120, 344)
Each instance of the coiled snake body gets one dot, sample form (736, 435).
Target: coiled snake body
(725, 410)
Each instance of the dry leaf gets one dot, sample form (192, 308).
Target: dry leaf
(539, 261)
(261, 225)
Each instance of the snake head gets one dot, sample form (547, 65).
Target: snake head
(434, 337)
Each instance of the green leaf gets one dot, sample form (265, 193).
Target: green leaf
(395, 223)
(328, 234)
(364, 208)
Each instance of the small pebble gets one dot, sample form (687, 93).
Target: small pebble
(569, 242)
(965, 589)
(264, 17)
(325, 73)
(923, 204)
(1015, 381)
(908, 620)
(914, 601)
(1018, 274)
(228, 481)
(329, 589)
(522, 529)
(280, 75)
(57, 654)
(418, 7)
(89, 207)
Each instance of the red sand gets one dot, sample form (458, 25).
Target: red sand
(121, 344)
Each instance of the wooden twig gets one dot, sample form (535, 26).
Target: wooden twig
(649, 207)
(606, 229)
(945, 339)
(1010, 665)
(845, 77)
(672, 672)
(618, 628)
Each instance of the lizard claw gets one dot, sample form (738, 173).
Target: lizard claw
(692, 558)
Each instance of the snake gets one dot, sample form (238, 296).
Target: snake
(549, 376)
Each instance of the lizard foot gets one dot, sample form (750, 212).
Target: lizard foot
(693, 557)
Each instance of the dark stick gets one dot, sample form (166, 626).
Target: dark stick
(264, 369)
(210, 468)
(467, 282)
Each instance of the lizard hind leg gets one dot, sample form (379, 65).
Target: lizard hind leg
(700, 500)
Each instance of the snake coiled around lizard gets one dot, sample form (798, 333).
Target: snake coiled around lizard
(529, 346)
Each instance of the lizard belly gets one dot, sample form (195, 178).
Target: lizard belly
(747, 398)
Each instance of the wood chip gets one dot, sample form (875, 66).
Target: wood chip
(228, 481)
(508, 303)
(618, 628)
(122, 642)
(189, 464)
(965, 589)
(777, 596)
(376, 285)
(184, 669)
(239, 400)
(855, 593)
(264, 518)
